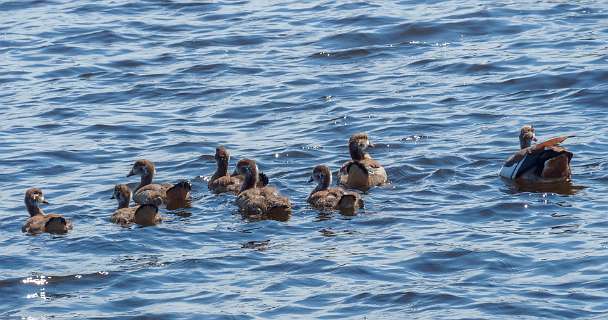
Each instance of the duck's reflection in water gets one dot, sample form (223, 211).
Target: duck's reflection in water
(281, 216)
(566, 188)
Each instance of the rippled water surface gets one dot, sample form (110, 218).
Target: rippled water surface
(87, 87)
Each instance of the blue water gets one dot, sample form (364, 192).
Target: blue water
(442, 87)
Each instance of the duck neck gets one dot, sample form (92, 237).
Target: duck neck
(123, 203)
(356, 153)
(525, 143)
(323, 184)
(33, 209)
(222, 169)
(251, 180)
(145, 180)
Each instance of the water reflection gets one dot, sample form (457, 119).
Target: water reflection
(561, 188)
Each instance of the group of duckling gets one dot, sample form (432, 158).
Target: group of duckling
(546, 162)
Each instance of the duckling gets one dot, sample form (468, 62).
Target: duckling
(40, 222)
(126, 215)
(325, 198)
(265, 201)
(362, 172)
(148, 192)
(178, 196)
(221, 182)
(545, 162)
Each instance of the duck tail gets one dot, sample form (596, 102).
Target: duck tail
(263, 179)
(349, 203)
(146, 215)
(178, 196)
(56, 225)
(280, 212)
(557, 167)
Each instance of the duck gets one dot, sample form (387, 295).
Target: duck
(361, 172)
(325, 198)
(153, 193)
(263, 202)
(40, 222)
(144, 215)
(222, 182)
(178, 196)
(545, 162)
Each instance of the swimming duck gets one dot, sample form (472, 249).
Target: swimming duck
(264, 201)
(221, 182)
(325, 198)
(362, 172)
(154, 193)
(40, 222)
(144, 215)
(544, 162)
(178, 196)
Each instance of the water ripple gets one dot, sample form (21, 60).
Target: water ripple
(441, 87)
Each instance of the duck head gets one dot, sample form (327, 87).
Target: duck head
(526, 136)
(249, 169)
(33, 199)
(145, 169)
(184, 184)
(358, 145)
(122, 194)
(322, 176)
(222, 156)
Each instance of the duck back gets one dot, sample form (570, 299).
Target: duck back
(362, 174)
(124, 216)
(152, 194)
(263, 201)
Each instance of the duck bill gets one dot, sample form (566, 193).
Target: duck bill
(131, 173)
(311, 179)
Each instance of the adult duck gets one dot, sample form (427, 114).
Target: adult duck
(545, 162)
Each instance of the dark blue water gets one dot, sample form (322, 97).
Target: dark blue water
(87, 87)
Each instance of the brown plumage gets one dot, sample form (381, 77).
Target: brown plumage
(222, 182)
(325, 198)
(147, 215)
(126, 215)
(264, 202)
(178, 196)
(545, 162)
(148, 192)
(361, 172)
(40, 222)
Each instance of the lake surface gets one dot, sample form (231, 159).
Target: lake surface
(88, 87)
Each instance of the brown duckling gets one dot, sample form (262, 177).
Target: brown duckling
(178, 196)
(361, 172)
(222, 182)
(144, 215)
(265, 201)
(545, 162)
(325, 198)
(40, 222)
(154, 193)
